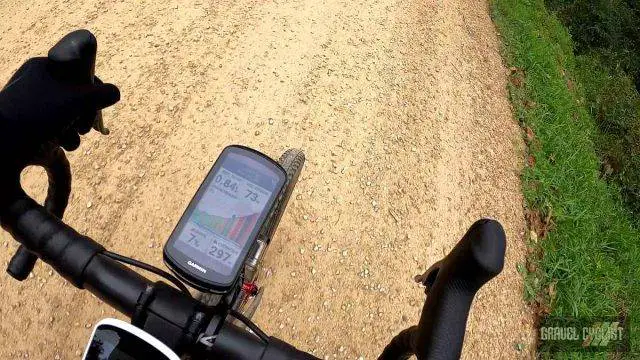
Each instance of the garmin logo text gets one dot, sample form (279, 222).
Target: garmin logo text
(194, 265)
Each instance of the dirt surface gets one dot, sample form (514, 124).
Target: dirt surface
(400, 107)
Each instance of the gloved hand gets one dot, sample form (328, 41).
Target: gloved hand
(36, 109)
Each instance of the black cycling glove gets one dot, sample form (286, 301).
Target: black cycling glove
(36, 108)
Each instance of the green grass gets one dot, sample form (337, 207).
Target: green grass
(615, 103)
(588, 264)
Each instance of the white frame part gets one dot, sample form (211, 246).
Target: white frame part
(146, 337)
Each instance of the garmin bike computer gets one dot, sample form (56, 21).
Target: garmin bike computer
(209, 246)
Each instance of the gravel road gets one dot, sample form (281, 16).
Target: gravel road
(400, 106)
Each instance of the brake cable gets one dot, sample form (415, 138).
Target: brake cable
(250, 324)
(150, 268)
(236, 314)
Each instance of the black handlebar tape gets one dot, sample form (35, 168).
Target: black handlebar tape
(49, 238)
(59, 175)
(475, 260)
(77, 258)
(233, 342)
(168, 315)
(22, 263)
(280, 350)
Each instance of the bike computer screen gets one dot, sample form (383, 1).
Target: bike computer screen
(212, 239)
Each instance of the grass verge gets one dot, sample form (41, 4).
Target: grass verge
(585, 256)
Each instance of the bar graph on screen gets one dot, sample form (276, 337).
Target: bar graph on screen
(234, 228)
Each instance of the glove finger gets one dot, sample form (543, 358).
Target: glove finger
(29, 65)
(85, 122)
(102, 96)
(69, 140)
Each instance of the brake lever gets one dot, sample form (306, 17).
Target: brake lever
(428, 278)
(73, 59)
